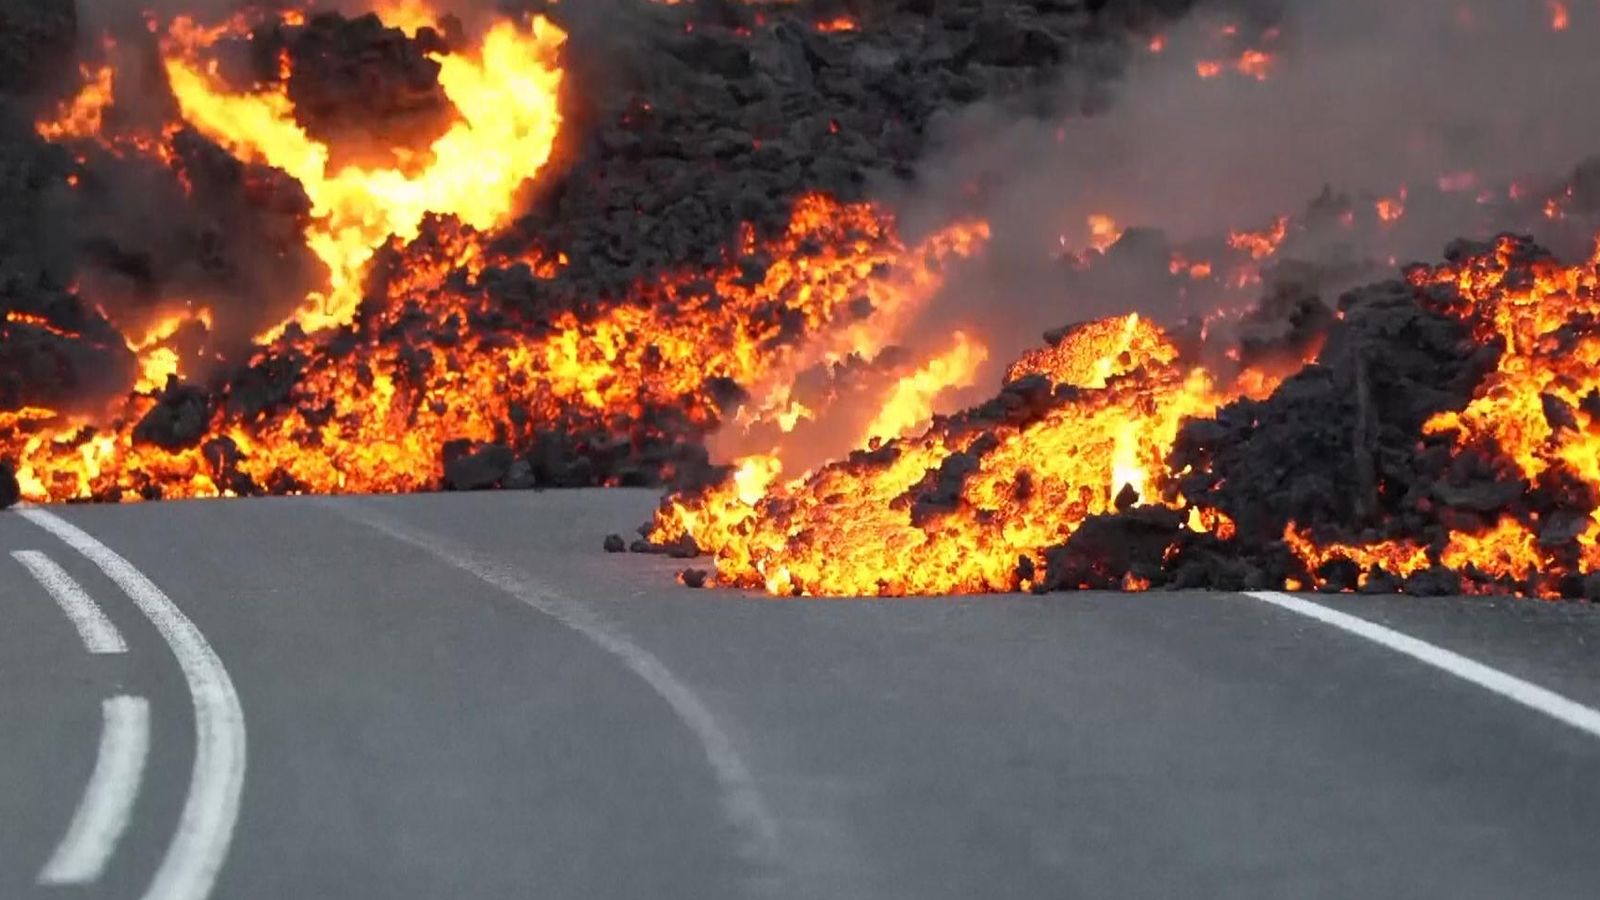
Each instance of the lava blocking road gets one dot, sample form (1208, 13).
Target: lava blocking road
(957, 302)
(414, 250)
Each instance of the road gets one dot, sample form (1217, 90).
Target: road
(461, 696)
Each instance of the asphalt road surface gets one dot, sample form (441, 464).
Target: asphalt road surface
(461, 696)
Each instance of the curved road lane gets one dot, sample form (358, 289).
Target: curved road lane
(461, 696)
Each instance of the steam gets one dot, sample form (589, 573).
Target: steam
(1363, 96)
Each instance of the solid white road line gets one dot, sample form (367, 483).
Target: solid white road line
(96, 631)
(1510, 687)
(107, 803)
(741, 800)
(205, 827)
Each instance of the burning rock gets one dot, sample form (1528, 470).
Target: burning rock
(1316, 450)
(1439, 442)
(954, 508)
(53, 352)
(394, 259)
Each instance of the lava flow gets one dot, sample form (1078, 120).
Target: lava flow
(1081, 428)
(1520, 494)
(505, 97)
(415, 374)
(296, 251)
(1501, 493)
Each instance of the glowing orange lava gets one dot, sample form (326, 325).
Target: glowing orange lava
(971, 504)
(1539, 412)
(81, 117)
(369, 420)
(505, 94)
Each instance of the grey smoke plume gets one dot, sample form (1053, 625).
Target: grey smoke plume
(1365, 96)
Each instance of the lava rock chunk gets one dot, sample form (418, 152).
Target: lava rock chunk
(474, 468)
(36, 42)
(10, 491)
(179, 419)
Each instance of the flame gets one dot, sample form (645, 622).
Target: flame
(856, 527)
(1534, 416)
(1251, 63)
(372, 418)
(1094, 352)
(930, 504)
(159, 361)
(505, 95)
(1260, 244)
(1198, 270)
(1542, 359)
(1559, 16)
(1390, 209)
(1255, 63)
(82, 116)
(1103, 231)
(409, 16)
(34, 320)
(910, 403)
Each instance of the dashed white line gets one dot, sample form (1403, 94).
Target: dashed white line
(1542, 700)
(94, 629)
(741, 800)
(102, 814)
(205, 826)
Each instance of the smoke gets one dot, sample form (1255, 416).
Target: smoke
(1443, 98)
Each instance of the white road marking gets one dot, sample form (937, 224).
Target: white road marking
(205, 827)
(741, 800)
(102, 814)
(94, 629)
(1557, 707)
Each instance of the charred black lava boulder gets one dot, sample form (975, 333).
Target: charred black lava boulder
(1106, 549)
(366, 88)
(178, 420)
(10, 492)
(470, 467)
(1335, 445)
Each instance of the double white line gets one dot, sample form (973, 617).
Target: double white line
(205, 827)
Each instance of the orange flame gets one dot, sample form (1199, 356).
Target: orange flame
(1535, 412)
(1559, 16)
(1103, 231)
(853, 527)
(376, 423)
(81, 117)
(506, 97)
(910, 403)
(1260, 244)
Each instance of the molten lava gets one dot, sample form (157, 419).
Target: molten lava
(505, 96)
(972, 503)
(370, 414)
(1534, 422)
(82, 116)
